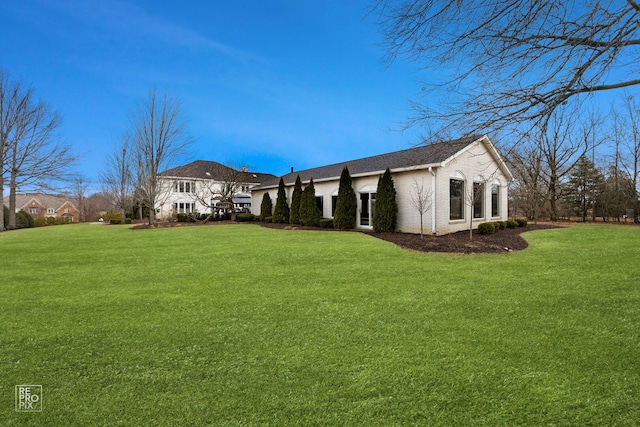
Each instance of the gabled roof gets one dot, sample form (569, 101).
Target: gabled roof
(421, 156)
(204, 169)
(47, 201)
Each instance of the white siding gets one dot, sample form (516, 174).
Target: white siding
(474, 161)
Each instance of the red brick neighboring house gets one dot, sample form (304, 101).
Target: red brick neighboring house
(45, 205)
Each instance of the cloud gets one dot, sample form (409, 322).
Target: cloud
(124, 19)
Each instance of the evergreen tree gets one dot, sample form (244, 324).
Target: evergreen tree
(281, 211)
(584, 187)
(347, 203)
(385, 213)
(309, 212)
(294, 217)
(265, 207)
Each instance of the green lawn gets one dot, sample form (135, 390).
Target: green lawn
(240, 325)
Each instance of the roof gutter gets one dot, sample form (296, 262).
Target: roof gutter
(434, 228)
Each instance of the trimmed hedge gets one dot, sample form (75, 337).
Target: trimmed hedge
(487, 228)
(24, 220)
(326, 223)
(46, 221)
(245, 217)
(492, 227)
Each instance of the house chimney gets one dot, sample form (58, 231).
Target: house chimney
(291, 169)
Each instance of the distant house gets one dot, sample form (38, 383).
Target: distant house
(197, 188)
(40, 205)
(464, 180)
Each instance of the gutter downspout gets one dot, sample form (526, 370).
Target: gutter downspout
(434, 229)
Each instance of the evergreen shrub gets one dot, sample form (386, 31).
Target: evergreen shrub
(500, 225)
(246, 217)
(296, 197)
(266, 208)
(281, 210)
(24, 220)
(326, 223)
(309, 213)
(385, 214)
(347, 204)
(486, 228)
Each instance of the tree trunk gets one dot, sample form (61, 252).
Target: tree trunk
(1, 203)
(11, 223)
(553, 193)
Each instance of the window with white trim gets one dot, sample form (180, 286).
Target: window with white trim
(495, 200)
(478, 200)
(456, 199)
(184, 207)
(184, 186)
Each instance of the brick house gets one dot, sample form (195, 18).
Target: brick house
(40, 205)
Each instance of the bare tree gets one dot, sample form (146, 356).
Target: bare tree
(548, 153)
(117, 177)
(528, 191)
(9, 103)
(512, 62)
(32, 154)
(80, 188)
(422, 201)
(159, 135)
(626, 137)
(224, 184)
(474, 195)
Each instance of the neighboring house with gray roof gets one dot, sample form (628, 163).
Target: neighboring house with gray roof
(40, 205)
(465, 181)
(198, 187)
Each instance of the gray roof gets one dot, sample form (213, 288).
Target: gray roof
(422, 155)
(204, 169)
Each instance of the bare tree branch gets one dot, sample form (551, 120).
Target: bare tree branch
(159, 135)
(511, 63)
(31, 153)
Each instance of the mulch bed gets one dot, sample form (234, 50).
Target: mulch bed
(502, 241)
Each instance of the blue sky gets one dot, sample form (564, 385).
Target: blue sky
(268, 84)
